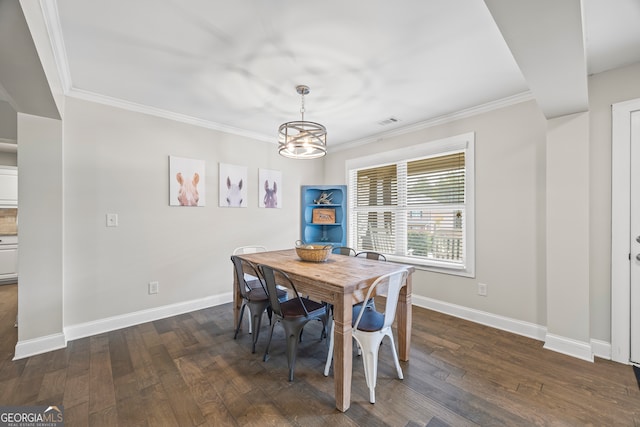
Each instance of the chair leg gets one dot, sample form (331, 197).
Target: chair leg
(239, 320)
(325, 323)
(257, 321)
(269, 313)
(294, 333)
(266, 350)
(250, 322)
(327, 365)
(370, 362)
(395, 356)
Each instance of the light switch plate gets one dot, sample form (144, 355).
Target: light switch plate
(112, 220)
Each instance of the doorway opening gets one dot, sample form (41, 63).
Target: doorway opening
(624, 136)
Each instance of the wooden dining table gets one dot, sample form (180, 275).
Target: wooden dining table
(342, 281)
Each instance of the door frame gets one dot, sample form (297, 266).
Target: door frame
(621, 229)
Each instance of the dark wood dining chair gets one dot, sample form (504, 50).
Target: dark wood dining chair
(254, 295)
(294, 313)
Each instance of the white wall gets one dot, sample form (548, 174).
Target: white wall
(8, 159)
(116, 161)
(40, 262)
(568, 233)
(510, 212)
(518, 133)
(8, 133)
(8, 122)
(605, 89)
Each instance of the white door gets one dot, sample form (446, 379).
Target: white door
(635, 237)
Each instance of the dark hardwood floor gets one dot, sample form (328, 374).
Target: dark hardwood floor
(188, 370)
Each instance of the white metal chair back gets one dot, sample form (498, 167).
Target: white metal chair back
(252, 249)
(391, 291)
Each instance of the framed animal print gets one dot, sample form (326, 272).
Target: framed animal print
(323, 216)
(269, 188)
(186, 182)
(232, 186)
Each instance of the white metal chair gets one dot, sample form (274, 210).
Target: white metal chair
(369, 327)
(252, 281)
(252, 249)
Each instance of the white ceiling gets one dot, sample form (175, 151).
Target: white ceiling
(234, 65)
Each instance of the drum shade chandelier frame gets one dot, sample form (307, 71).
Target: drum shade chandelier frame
(302, 139)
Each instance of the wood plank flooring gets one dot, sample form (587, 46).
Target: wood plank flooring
(188, 370)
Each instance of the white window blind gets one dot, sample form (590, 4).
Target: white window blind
(377, 190)
(414, 210)
(435, 204)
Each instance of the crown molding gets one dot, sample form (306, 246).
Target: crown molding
(139, 108)
(52, 22)
(446, 118)
(183, 118)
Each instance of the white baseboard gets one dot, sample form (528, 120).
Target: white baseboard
(568, 346)
(28, 348)
(601, 349)
(108, 324)
(45, 344)
(519, 327)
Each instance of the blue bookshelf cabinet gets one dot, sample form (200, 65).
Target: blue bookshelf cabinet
(324, 234)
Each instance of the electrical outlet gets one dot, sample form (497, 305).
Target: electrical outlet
(482, 289)
(153, 288)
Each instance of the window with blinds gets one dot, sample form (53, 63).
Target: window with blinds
(413, 210)
(435, 208)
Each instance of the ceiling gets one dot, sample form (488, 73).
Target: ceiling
(374, 67)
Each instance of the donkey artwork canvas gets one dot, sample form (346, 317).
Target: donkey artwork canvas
(270, 197)
(270, 194)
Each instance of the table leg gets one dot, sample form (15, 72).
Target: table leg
(342, 353)
(237, 301)
(404, 320)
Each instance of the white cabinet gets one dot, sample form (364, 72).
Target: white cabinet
(8, 263)
(8, 258)
(8, 186)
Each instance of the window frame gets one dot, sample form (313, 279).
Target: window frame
(463, 142)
